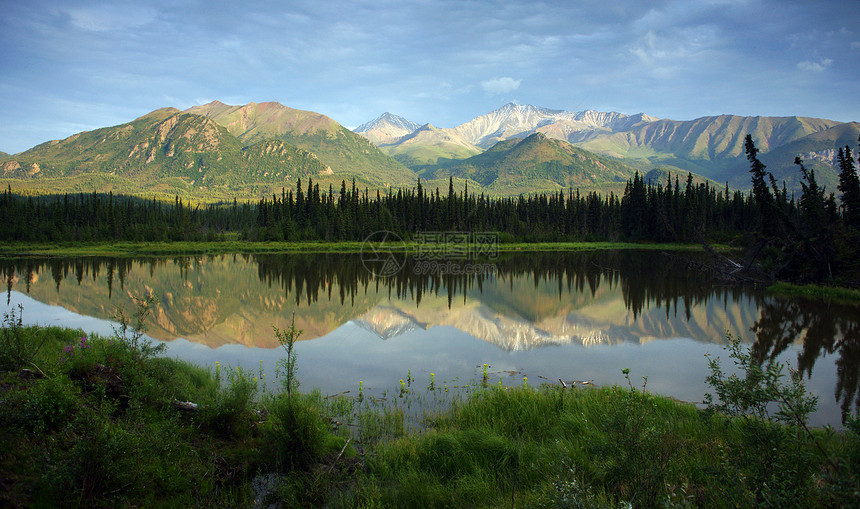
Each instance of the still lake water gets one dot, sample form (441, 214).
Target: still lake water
(578, 316)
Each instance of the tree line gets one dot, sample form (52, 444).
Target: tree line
(812, 237)
(99, 217)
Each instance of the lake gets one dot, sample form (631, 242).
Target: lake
(578, 316)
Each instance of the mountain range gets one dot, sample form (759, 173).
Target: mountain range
(708, 146)
(219, 151)
(213, 151)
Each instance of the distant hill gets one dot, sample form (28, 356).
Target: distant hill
(818, 151)
(660, 176)
(535, 162)
(427, 145)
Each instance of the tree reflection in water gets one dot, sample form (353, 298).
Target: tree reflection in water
(646, 279)
(823, 328)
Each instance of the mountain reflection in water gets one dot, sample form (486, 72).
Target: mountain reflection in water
(530, 300)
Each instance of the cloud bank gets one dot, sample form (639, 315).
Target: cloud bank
(71, 63)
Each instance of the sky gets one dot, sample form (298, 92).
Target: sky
(68, 66)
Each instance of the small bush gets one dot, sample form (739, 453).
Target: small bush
(774, 462)
(97, 461)
(24, 347)
(298, 433)
(231, 410)
(843, 481)
(45, 406)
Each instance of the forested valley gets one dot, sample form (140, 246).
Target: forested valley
(813, 237)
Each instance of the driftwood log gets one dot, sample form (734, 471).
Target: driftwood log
(185, 406)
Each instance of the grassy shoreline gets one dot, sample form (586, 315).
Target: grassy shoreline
(124, 249)
(817, 292)
(93, 422)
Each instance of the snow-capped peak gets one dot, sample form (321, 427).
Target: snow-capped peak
(388, 121)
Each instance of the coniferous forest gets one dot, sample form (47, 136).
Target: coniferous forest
(813, 237)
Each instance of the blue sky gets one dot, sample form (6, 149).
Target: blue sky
(67, 66)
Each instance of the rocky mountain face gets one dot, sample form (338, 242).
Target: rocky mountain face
(521, 120)
(165, 151)
(346, 153)
(708, 146)
(386, 128)
(213, 151)
(818, 151)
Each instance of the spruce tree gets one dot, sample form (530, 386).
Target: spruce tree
(849, 185)
(761, 193)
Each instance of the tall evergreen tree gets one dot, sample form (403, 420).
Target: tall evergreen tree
(769, 220)
(849, 185)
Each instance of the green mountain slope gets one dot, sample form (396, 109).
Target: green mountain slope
(533, 163)
(659, 176)
(818, 151)
(165, 151)
(347, 154)
(709, 145)
(427, 144)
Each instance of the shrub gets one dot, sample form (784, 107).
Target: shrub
(18, 344)
(298, 433)
(96, 461)
(131, 329)
(287, 366)
(635, 453)
(47, 405)
(773, 464)
(231, 410)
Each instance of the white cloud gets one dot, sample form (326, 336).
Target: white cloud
(810, 66)
(501, 85)
(855, 45)
(107, 17)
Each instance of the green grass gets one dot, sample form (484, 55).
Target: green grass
(819, 292)
(100, 429)
(14, 249)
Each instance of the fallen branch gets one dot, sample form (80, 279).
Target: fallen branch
(185, 406)
(348, 440)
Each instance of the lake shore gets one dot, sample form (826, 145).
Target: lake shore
(100, 421)
(126, 249)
